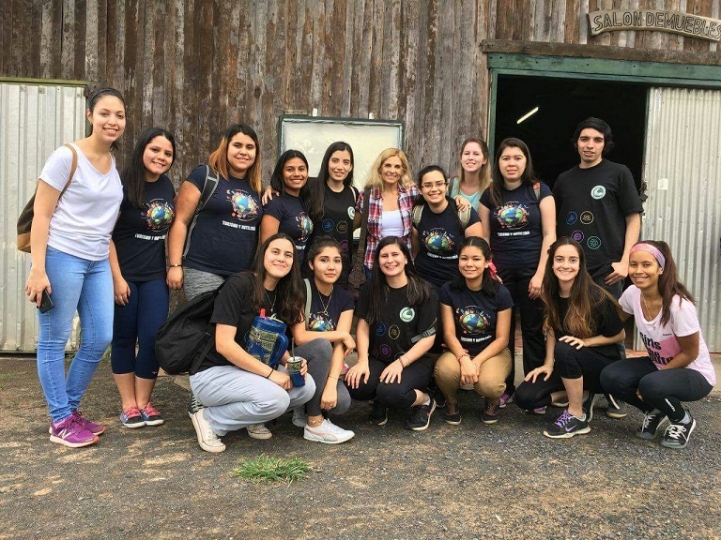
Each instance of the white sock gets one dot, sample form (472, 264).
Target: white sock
(427, 402)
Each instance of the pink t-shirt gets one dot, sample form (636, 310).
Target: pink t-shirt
(661, 343)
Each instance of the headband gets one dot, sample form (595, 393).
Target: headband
(660, 259)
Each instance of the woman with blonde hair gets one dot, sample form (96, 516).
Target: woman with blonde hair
(390, 193)
(475, 173)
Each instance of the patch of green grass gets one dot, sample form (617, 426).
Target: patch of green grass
(267, 468)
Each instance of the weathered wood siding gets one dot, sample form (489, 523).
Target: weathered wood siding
(194, 66)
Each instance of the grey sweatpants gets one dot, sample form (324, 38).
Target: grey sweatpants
(236, 398)
(196, 282)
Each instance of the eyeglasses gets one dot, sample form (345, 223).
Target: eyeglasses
(431, 185)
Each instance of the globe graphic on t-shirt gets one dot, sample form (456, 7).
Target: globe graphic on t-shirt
(473, 320)
(244, 205)
(511, 216)
(438, 242)
(160, 215)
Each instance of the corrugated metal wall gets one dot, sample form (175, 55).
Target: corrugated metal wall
(682, 168)
(34, 120)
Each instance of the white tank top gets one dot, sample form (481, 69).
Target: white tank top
(392, 224)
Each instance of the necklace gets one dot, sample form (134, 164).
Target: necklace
(647, 313)
(271, 302)
(323, 304)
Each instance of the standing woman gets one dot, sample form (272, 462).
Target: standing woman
(678, 366)
(476, 319)
(329, 309)
(333, 201)
(475, 174)
(519, 217)
(397, 320)
(238, 390)
(392, 194)
(439, 228)
(289, 213)
(137, 260)
(70, 240)
(224, 237)
(582, 332)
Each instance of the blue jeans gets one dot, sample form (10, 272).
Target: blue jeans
(137, 322)
(86, 287)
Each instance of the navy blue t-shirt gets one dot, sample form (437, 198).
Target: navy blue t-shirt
(225, 236)
(140, 233)
(475, 314)
(440, 237)
(391, 337)
(515, 225)
(325, 311)
(293, 219)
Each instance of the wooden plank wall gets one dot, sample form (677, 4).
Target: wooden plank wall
(195, 66)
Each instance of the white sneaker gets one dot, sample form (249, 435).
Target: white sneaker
(259, 431)
(327, 433)
(207, 440)
(300, 419)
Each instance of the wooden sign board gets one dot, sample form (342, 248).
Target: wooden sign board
(675, 22)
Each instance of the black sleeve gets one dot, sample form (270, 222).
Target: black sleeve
(233, 300)
(428, 313)
(361, 310)
(608, 322)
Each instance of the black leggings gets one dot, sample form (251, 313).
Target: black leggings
(661, 389)
(401, 395)
(571, 363)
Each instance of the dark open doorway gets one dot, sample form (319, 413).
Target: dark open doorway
(562, 103)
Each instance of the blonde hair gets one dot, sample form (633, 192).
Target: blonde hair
(374, 177)
(485, 172)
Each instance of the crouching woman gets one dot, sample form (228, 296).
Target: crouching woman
(238, 390)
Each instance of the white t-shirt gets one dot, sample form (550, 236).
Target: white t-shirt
(392, 224)
(661, 343)
(85, 215)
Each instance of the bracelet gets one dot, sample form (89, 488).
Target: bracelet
(269, 374)
(175, 265)
(400, 359)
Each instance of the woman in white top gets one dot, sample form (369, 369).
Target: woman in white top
(678, 366)
(70, 241)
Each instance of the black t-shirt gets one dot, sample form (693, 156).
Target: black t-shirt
(225, 236)
(139, 234)
(475, 314)
(325, 312)
(515, 225)
(607, 323)
(391, 337)
(592, 205)
(293, 219)
(440, 237)
(233, 307)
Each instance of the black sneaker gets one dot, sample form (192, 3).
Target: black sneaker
(490, 412)
(588, 404)
(616, 409)
(566, 426)
(678, 434)
(452, 418)
(436, 394)
(419, 417)
(651, 423)
(379, 414)
(194, 405)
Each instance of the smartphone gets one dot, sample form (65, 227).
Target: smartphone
(46, 304)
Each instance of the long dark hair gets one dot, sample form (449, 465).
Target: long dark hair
(528, 177)
(420, 199)
(277, 182)
(668, 283)
(133, 176)
(585, 296)
(288, 293)
(319, 244)
(417, 292)
(489, 286)
(218, 158)
(318, 186)
(95, 96)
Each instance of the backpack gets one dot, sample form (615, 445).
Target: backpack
(186, 338)
(464, 216)
(209, 185)
(308, 300)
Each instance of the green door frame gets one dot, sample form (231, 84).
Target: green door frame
(562, 67)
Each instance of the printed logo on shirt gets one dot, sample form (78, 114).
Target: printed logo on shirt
(305, 225)
(439, 242)
(394, 332)
(571, 218)
(320, 322)
(512, 215)
(472, 319)
(158, 215)
(598, 192)
(245, 208)
(380, 329)
(577, 236)
(351, 212)
(342, 227)
(407, 314)
(593, 242)
(587, 218)
(327, 225)
(385, 351)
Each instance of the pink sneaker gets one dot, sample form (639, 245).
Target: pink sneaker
(505, 398)
(71, 432)
(92, 427)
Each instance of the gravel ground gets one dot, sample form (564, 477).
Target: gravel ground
(467, 481)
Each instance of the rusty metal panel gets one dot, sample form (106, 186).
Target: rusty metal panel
(682, 169)
(34, 120)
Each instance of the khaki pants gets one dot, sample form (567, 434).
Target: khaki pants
(491, 381)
